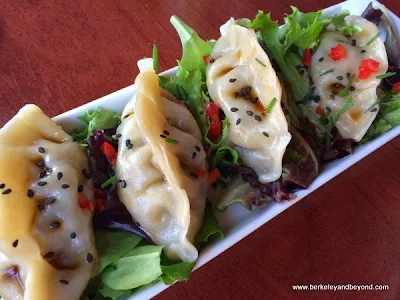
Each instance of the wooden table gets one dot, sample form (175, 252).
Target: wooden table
(61, 55)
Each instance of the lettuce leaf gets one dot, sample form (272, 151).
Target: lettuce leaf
(173, 272)
(96, 119)
(210, 230)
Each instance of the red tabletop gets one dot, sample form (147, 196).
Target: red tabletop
(62, 54)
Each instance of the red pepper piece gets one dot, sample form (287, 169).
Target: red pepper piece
(307, 58)
(337, 53)
(396, 87)
(213, 175)
(100, 204)
(207, 59)
(109, 152)
(367, 67)
(212, 112)
(85, 203)
(319, 110)
(201, 173)
(181, 102)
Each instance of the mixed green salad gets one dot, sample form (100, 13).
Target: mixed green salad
(129, 260)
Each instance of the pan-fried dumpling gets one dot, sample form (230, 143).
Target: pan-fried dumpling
(353, 123)
(159, 161)
(47, 248)
(243, 83)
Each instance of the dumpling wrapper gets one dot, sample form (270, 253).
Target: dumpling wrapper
(38, 262)
(161, 192)
(354, 123)
(240, 63)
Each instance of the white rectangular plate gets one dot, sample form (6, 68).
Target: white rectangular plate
(236, 221)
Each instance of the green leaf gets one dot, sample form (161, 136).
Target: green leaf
(245, 22)
(108, 292)
(194, 48)
(224, 136)
(113, 245)
(176, 272)
(138, 267)
(210, 229)
(291, 156)
(340, 23)
(223, 156)
(96, 119)
(155, 58)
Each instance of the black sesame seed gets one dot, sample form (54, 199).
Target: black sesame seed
(49, 254)
(301, 72)
(352, 88)
(212, 60)
(41, 207)
(2, 186)
(232, 80)
(247, 97)
(265, 134)
(126, 116)
(89, 258)
(238, 121)
(198, 149)
(15, 244)
(30, 193)
(194, 175)
(249, 112)
(127, 142)
(63, 281)
(118, 135)
(353, 42)
(194, 155)
(41, 164)
(317, 98)
(64, 186)
(374, 109)
(130, 146)
(258, 118)
(50, 201)
(248, 90)
(236, 94)
(339, 78)
(7, 191)
(320, 59)
(166, 132)
(233, 109)
(72, 235)
(254, 100)
(80, 188)
(332, 96)
(347, 75)
(86, 173)
(55, 225)
(363, 51)
(59, 175)
(41, 150)
(42, 174)
(163, 136)
(328, 109)
(123, 184)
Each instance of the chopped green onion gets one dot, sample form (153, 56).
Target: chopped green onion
(83, 145)
(346, 90)
(172, 141)
(373, 38)
(170, 122)
(346, 107)
(270, 106)
(327, 72)
(155, 57)
(373, 104)
(386, 75)
(109, 182)
(260, 62)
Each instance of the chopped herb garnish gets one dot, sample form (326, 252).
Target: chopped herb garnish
(386, 75)
(83, 145)
(172, 141)
(370, 107)
(270, 106)
(348, 104)
(346, 90)
(373, 38)
(327, 72)
(260, 62)
(108, 182)
(170, 122)
(155, 57)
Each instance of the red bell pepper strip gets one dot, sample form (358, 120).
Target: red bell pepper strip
(85, 203)
(212, 112)
(319, 110)
(307, 58)
(367, 67)
(213, 175)
(109, 152)
(396, 87)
